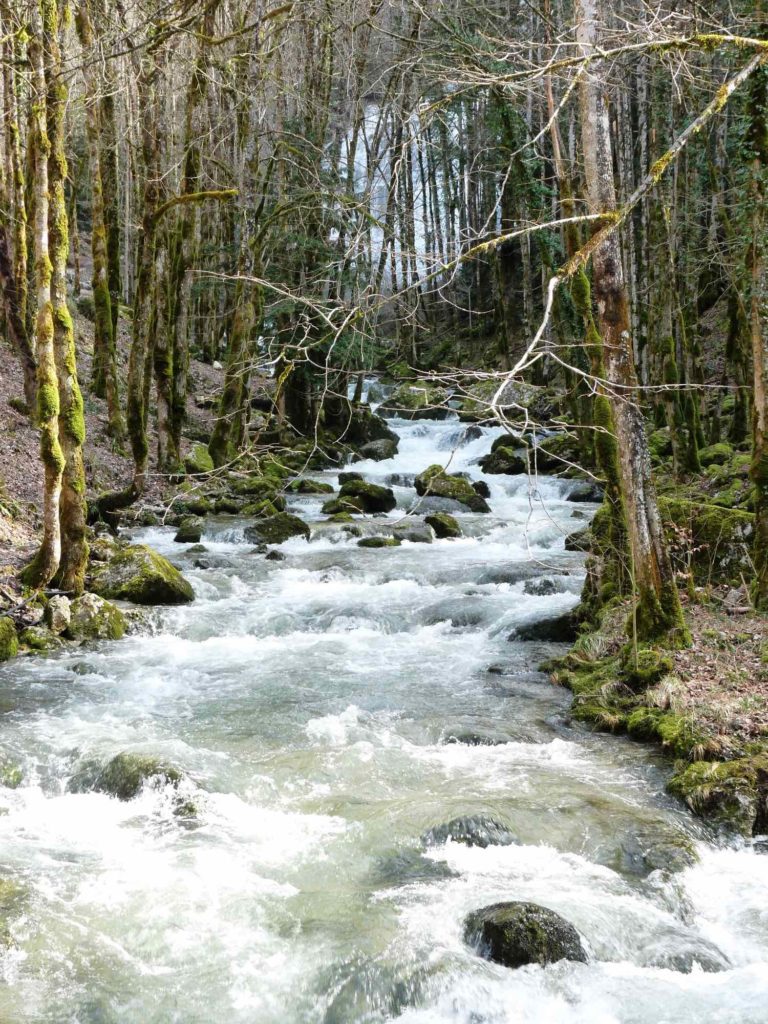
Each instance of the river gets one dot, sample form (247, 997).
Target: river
(317, 707)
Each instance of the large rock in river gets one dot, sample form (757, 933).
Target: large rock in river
(515, 934)
(276, 529)
(361, 496)
(443, 524)
(378, 451)
(141, 575)
(559, 628)
(435, 481)
(93, 618)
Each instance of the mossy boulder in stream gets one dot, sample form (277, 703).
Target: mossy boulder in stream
(508, 459)
(444, 525)
(276, 529)
(515, 934)
(93, 618)
(9, 643)
(379, 542)
(141, 575)
(303, 485)
(255, 487)
(435, 481)
(123, 776)
(190, 530)
(361, 496)
(265, 508)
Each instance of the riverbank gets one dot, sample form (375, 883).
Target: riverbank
(705, 705)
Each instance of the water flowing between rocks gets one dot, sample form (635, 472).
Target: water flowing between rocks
(327, 712)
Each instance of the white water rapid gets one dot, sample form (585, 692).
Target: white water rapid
(314, 706)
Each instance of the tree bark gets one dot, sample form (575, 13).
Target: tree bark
(72, 511)
(657, 612)
(43, 567)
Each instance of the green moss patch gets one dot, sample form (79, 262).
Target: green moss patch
(9, 643)
(141, 575)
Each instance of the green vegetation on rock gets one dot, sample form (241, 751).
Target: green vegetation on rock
(9, 643)
(444, 525)
(435, 481)
(141, 575)
(123, 776)
(276, 529)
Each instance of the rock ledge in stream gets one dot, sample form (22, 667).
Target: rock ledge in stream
(141, 575)
(515, 934)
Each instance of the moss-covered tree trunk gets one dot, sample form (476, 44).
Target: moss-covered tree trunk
(657, 611)
(189, 225)
(13, 223)
(249, 297)
(104, 371)
(757, 150)
(42, 569)
(72, 511)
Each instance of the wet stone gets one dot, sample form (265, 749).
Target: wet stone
(515, 934)
(472, 830)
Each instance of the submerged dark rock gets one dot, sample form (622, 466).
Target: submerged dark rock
(543, 587)
(558, 628)
(515, 934)
(472, 830)
(586, 490)
(123, 776)
(407, 866)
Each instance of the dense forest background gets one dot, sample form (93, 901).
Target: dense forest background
(553, 212)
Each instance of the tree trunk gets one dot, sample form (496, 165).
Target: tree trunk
(104, 372)
(657, 612)
(43, 567)
(757, 144)
(72, 512)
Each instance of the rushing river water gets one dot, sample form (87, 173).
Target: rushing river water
(314, 705)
